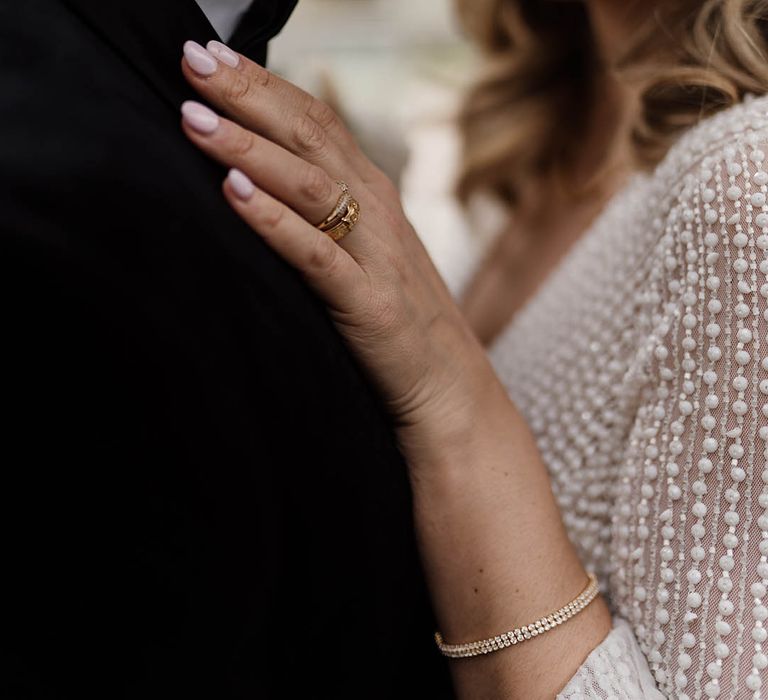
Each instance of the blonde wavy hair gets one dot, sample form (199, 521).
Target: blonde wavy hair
(523, 121)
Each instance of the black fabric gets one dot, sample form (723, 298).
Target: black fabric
(262, 22)
(200, 494)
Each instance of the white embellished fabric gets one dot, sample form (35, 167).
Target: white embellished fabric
(616, 670)
(642, 367)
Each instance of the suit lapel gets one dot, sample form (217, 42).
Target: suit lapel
(262, 22)
(149, 34)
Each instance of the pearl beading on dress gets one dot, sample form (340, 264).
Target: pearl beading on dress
(642, 368)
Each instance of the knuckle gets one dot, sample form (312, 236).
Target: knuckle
(323, 255)
(388, 188)
(270, 215)
(390, 223)
(388, 219)
(316, 185)
(243, 143)
(309, 137)
(322, 114)
(238, 89)
(262, 77)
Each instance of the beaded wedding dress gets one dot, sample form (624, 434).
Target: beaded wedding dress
(642, 367)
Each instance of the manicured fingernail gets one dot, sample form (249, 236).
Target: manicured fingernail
(223, 53)
(199, 117)
(199, 59)
(241, 184)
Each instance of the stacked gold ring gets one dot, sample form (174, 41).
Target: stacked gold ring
(344, 216)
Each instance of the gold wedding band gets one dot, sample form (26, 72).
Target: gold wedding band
(344, 216)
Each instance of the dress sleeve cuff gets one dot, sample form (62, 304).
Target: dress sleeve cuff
(616, 669)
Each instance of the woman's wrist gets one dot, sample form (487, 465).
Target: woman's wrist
(459, 416)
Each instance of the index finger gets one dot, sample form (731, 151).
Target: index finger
(265, 103)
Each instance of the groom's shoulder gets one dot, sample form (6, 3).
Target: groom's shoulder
(40, 35)
(85, 144)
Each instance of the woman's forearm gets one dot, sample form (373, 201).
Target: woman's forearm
(493, 542)
(497, 555)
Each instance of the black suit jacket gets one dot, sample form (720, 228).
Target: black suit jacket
(201, 496)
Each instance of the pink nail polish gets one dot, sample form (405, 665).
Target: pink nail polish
(200, 61)
(199, 117)
(223, 53)
(241, 184)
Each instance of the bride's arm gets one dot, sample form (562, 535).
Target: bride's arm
(497, 556)
(494, 547)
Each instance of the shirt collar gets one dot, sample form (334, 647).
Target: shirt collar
(224, 15)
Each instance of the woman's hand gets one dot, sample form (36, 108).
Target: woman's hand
(383, 292)
(494, 547)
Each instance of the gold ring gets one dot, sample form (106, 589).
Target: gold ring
(344, 216)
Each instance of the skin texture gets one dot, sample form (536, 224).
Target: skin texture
(493, 544)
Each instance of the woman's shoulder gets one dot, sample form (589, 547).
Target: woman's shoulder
(704, 207)
(739, 131)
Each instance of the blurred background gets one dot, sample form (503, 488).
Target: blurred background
(396, 71)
